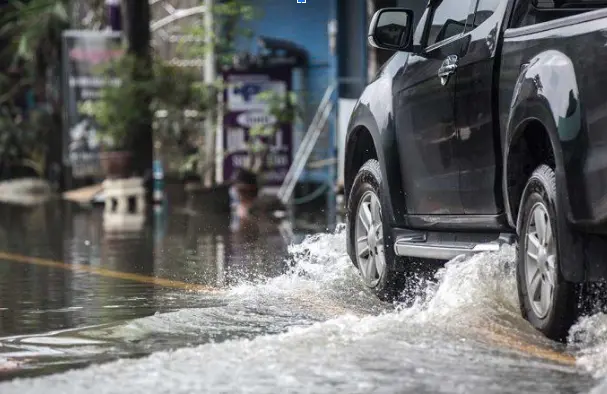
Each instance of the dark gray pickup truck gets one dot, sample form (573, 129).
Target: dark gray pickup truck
(487, 126)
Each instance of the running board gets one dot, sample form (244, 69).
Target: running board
(416, 246)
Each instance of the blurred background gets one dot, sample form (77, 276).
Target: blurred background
(154, 145)
(195, 89)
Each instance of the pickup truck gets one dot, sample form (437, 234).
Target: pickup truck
(487, 126)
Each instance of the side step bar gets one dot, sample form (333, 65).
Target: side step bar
(414, 246)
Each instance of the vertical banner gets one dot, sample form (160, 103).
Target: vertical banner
(84, 52)
(244, 109)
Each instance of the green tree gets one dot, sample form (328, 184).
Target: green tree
(231, 24)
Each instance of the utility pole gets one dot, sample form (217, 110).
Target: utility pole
(138, 37)
(210, 74)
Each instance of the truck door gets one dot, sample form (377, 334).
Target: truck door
(424, 111)
(476, 97)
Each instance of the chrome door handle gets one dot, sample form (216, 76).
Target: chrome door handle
(448, 68)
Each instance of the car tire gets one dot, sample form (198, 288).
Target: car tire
(546, 299)
(378, 265)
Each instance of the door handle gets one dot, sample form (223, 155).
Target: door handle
(448, 68)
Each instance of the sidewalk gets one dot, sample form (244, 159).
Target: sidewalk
(25, 191)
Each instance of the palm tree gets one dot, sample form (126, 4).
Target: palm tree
(33, 30)
(38, 24)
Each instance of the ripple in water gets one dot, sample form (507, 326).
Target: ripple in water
(316, 329)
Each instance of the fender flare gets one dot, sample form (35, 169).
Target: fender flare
(543, 94)
(386, 148)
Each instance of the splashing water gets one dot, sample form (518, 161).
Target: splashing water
(588, 339)
(323, 284)
(318, 329)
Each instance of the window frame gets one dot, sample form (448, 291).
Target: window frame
(430, 11)
(499, 4)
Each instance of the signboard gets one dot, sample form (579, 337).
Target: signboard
(244, 109)
(84, 52)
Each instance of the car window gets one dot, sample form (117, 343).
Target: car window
(448, 19)
(531, 12)
(484, 10)
(568, 4)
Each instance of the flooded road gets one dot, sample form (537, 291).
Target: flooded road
(258, 312)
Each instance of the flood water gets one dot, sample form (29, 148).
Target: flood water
(197, 304)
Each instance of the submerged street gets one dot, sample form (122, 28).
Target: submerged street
(193, 304)
(175, 178)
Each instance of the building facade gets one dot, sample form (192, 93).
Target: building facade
(334, 33)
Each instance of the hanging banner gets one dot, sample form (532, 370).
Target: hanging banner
(244, 109)
(84, 53)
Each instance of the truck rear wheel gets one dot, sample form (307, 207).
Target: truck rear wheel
(371, 238)
(547, 300)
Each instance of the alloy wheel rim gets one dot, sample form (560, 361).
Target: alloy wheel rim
(369, 237)
(540, 261)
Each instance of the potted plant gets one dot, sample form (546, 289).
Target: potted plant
(181, 102)
(111, 133)
(112, 116)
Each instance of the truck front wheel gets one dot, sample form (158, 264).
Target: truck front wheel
(547, 300)
(370, 235)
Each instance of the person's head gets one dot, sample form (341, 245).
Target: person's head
(245, 183)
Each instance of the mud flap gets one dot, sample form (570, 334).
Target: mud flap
(595, 255)
(571, 243)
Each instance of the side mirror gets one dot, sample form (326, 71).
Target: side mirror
(391, 29)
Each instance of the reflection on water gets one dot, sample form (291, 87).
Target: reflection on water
(201, 249)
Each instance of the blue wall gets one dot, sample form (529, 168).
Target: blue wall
(305, 25)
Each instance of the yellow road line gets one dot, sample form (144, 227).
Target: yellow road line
(516, 344)
(16, 258)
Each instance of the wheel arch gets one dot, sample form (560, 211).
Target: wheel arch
(530, 146)
(360, 148)
(545, 102)
(532, 142)
(365, 141)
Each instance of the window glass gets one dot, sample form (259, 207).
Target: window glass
(448, 20)
(564, 4)
(531, 12)
(484, 10)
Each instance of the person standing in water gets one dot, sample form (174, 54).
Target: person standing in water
(248, 202)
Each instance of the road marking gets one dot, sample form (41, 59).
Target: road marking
(514, 343)
(175, 284)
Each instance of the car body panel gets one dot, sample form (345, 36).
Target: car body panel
(425, 132)
(477, 145)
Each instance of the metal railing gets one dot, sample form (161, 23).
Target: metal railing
(307, 145)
